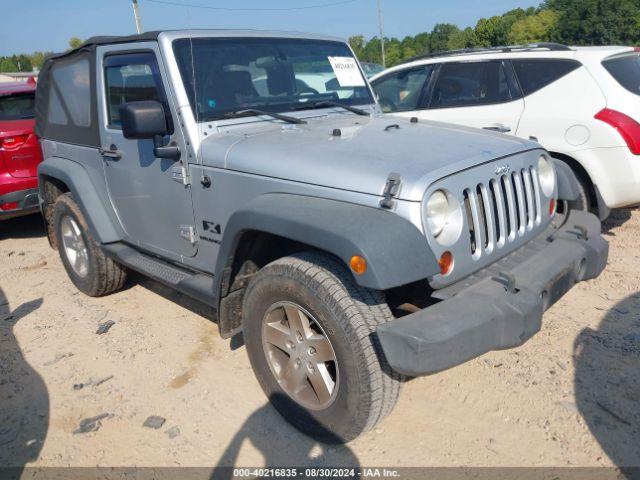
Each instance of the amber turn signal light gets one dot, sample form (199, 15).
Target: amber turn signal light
(552, 206)
(446, 263)
(358, 265)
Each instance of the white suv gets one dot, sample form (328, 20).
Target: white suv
(581, 103)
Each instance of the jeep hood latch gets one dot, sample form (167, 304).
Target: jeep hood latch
(391, 191)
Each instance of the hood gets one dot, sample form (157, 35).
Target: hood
(361, 155)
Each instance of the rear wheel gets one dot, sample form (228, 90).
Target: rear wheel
(90, 270)
(310, 335)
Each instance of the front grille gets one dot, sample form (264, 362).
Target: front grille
(501, 210)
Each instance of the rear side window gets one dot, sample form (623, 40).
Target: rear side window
(70, 99)
(626, 70)
(535, 74)
(471, 84)
(131, 78)
(403, 91)
(17, 107)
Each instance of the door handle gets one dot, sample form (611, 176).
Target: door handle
(112, 152)
(498, 128)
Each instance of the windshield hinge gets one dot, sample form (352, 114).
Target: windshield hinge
(188, 232)
(391, 191)
(179, 174)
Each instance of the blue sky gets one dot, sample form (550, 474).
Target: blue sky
(48, 24)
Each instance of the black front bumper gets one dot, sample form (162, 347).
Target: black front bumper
(27, 201)
(504, 308)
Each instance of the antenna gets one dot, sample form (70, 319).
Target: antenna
(384, 59)
(136, 15)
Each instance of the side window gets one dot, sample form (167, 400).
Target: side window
(471, 84)
(403, 91)
(626, 70)
(131, 78)
(70, 99)
(535, 74)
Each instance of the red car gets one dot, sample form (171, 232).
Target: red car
(19, 150)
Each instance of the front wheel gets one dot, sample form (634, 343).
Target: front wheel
(310, 335)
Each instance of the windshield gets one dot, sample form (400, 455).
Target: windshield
(16, 107)
(626, 70)
(226, 75)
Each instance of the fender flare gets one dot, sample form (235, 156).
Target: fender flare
(91, 200)
(397, 253)
(568, 188)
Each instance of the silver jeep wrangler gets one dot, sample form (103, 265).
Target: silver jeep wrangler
(253, 172)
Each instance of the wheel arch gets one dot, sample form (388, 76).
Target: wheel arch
(579, 171)
(598, 204)
(59, 175)
(276, 225)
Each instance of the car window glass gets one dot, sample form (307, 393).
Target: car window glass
(471, 84)
(130, 78)
(70, 101)
(626, 70)
(403, 91)
(16, 107)
(535, 74)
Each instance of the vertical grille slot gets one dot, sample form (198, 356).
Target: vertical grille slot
(536, 190)
(512, 218)
(520, 202)
(487, 210)
(499, 208)
(472, 231)
(478, 225)
(528, 191)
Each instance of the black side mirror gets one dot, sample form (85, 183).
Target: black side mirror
(146, 120)
(143, 120)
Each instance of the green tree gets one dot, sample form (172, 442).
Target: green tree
(491, 32)
(74, 42)
(439, 39)
(38, 58)
(393, 52)
(536, 28)
(463, 39)
(358, 43)
(596, 22)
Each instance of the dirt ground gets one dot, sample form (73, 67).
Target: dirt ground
(571, 396)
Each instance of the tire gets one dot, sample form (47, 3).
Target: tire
(100, 275)
(366, 389)
(583, 202)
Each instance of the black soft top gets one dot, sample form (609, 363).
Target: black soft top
(66, 103)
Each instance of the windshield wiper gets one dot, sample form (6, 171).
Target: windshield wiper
(329, 103)
(253, 111)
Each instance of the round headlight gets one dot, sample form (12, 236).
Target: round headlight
(547, 176)
(437, 212)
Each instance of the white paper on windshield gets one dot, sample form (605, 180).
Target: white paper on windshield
(347, 71)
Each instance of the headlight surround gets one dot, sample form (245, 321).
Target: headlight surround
(443, 217)
(547, 176)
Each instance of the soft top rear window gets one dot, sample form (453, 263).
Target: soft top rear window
(17, 106)
(626, 70)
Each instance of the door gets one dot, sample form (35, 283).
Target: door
(481, 94)
(151, 196)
